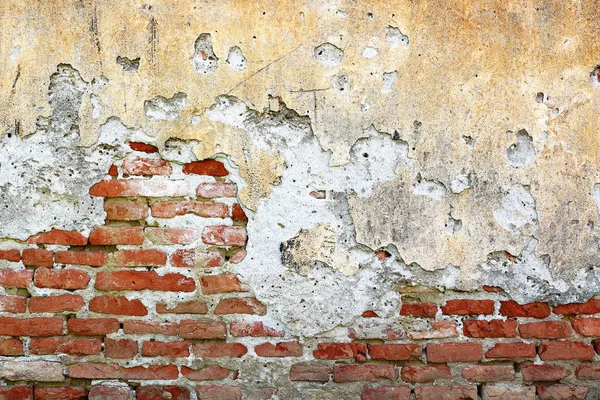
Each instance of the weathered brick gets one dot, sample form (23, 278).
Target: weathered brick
(40, 371)
(114, 371)
(118, 305)
(167, 349)
(125, 210)
(10, 255)
(216, 189)
(240, 305)
(238, 256)
(280, 349)
(15, 279)
(145, 327)
(188, 307)
(193, 329)
(592, 306)
(495, 328)
(60, 237)
(141, 280)
(506, 393)
(108, 235)
(60, 393)
(543, 373)
(588, 371)
(341, 351)
(256, 329)
(452, 392)
(219, 393)
(110, 393)
(216, 350)
(10, 326)
(386, 393)
(545, 330)
(37, 258)
(143, 147)
(158, 392)
(146, 166)
(206, 167)
(586, 326)
(208, 373)
(395, 352)
(92, 326)
(222, 235)
(120, 348)
(213, 284)
(140, 258)
(562, 392)
(171, 235)
(453, 352)
(468, 307)
(11, 347)
(512, 350)
(90, 258)
(364, 372)
(238, 213)
(68, 279)
(425, 373)
(425, 310)
(205, 209)
(489, 373)
(16, 392)
(56, 304)
(189, 258)
(13, 304)
(140, 187)
(439, 330)
(531, 310)
(311, 372)
(550, 351)
(71, 346)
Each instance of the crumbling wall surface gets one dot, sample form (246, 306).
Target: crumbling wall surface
(299, 200)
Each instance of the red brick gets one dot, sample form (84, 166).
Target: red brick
(364, 372)
(120, 348)
(92, 258)
(562, 392)
(167, 349)
(118, 305)
(586, 326)
(206, 167)
(238, 256)
(395, 352)
(71, 346)
(281, 349)
(68, 279)
(222, 235)
(55, 304)
(311, 372)
(10, 255)
(31, 326)
(453, 352)
(208, 373)
(113, 171)
(108, 236)
(592, 306)
(508, 393)
(171, 235)
(110, 393)
(426, 310)
(386, 393)
(369, 314)
(141, 280)
(219, 393)
(206, 209)
(193, 329)
(489, 373)
(530, 310)
(140, 258)
(15, 279)
(141, 188)
(16, 392)
(188, 307)
(341, 351)
(512, 350)
(189, 258)
(114, 371)
(125, 210)
(543, 373)
(545, 330)
(240, 305)
(468, 307)
(425, 373)
(11, 347)
(143, 147)
(238, 214)
(588, 371)
(147, 166)
(94, 371)
(220, 284)
(439, 393)
(440, 330)
(550, 351)
(256, 329)
(157, 392)
(216, 189)
(155, 328)
(376, 329)
(13, 304)
(60, 237)
(495, 328)
(60, 393)
(92, 326)
(216, 350)
(37, 258)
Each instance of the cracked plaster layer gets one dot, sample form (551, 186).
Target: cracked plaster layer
(439, 140)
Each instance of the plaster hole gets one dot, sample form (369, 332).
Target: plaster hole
(236, 59)
(517, 209)
(341, 83)
(329, 55)
(370, 15)
(469, 141)
(430, 188)
(369, 52)
(540, 98)
(162, 109)
(204, 59)
(389, 79)
(521, 153)
(395, 36)
(452, 225)
(128, 65)
(460, 183)
(302, 15)
(595, 77)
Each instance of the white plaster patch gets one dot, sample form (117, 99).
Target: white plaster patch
(517, 209)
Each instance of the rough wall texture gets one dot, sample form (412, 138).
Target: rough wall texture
(299, 200)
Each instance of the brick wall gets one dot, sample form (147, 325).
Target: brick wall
(146, 307)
